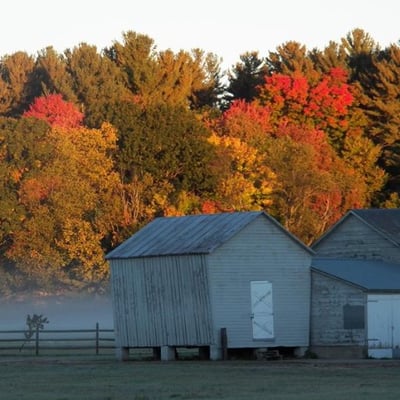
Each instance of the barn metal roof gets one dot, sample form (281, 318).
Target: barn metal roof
(371, 275)
(386, 221)
(193, 234)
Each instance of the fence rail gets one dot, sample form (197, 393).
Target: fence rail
(66, 339)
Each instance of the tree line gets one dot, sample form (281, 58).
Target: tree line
(96, 143)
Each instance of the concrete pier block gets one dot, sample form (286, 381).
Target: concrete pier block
(167, 353)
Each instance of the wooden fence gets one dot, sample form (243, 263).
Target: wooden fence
(46, 339)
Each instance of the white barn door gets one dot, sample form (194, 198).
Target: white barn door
(262, 310)
(383, 325)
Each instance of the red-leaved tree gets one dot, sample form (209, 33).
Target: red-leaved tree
(322, 103)
(56, 111)
(296, 129)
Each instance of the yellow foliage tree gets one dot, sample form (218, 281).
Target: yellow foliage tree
(73, 206)
(246, 182)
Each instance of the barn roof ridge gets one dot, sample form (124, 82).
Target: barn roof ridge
(190, 234)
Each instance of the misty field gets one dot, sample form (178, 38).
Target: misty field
(105, 379)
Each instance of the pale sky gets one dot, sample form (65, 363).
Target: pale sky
(227, 28)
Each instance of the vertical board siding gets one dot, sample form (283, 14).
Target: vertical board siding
(329, 296)
(161, 301)
(355, 239)
(118, 290)
(261, 252)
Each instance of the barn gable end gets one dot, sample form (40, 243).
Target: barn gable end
(356, 286)
(261, 252)
(364, 234)
(180, 281)
(330, 336)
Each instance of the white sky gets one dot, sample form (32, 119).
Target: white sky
(227, 28)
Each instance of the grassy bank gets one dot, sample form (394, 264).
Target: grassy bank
(106, 379)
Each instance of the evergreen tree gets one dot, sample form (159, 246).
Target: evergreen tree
(288, 58)
(165, 146)
(97, 82)
(16, 74)
(333, 56)
(382, 107)
(245, 77)
(360, 49)
(136, 58)
(189, 79)
(52, 75)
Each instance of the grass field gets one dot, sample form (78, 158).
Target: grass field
(102, 378)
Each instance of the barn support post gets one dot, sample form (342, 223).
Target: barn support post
(220, 350)
(224, 343)
(168, 353)
(300, 351)
(215, 353)
(122, 353)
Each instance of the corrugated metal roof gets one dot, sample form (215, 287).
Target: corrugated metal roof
(373, 275)
(193, 234)
(385, 220)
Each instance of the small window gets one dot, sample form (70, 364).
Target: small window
(353, 317)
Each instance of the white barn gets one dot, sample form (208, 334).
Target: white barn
(181, 281)
(355, 307)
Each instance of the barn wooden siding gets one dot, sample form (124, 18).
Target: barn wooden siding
(346, 319)
(262, 251)
(354, 239)
(161, 301)
(329, 297)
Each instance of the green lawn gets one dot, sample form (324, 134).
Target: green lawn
(105, 379)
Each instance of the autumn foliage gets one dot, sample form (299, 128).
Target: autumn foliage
(310, 186)
(322, 103)
(57, 112)
(95, 144)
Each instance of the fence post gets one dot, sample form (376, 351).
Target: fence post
(37, 340)
(97, 338)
